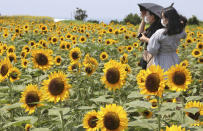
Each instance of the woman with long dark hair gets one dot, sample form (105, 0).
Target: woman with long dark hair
(164, 42)
(150, 14)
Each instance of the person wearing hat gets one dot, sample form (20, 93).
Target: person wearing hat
(164, 42)
(151, 14)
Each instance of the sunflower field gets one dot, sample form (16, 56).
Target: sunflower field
(77, 76)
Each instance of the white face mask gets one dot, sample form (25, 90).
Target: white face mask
(146, 19)
(162, 22)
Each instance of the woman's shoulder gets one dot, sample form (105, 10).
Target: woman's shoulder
(160, 31)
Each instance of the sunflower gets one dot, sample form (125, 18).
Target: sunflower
(194, 104)
(24, 63)
(74, 67)
(58, 60)
(75, 54)
(199, 45)
(5, 35)
(112, 118)
(68, 45)
(108, 42)
(127, 68)
(200, 60)
(124, 58)
(26, 48)
(147, 114)
(63, 45)
(104, 56)
(23, 54)
(178, 78)
(82, 39)
(116, 31)
(11, 49)
(27, 127)
(68, 36)
(14, 74)
(189, 40)
(90, 121)
(154, 103)
(42, 59)
(129, 48)
(54, 40)
(196, 52)
(5, 68)
(114, 75)
(141, 77)
(1, 51)
(184, 63)
(110, 30)
(12, 57)
(153, 81)
(90, 60)
(175, 128)
(32, 43)
(56, 87)
(89, 69)
(31, 98)
(127, 36)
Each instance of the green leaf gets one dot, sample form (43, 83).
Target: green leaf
(41, 129)
(139, 104)
(86, 107)
(143, 123)
(102, 99)
(192, 98)
(135, 94)
(32, 119)
(56, 111)
(8, 107)
(191, 110)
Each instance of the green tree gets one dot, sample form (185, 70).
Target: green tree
(193, 20)
(80, 14)
(132, 18)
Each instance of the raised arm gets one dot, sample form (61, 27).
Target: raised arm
(142, 24)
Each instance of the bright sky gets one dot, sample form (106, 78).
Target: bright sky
(96, 9)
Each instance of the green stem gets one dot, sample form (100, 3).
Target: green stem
(159, 117)
(183, 104)
(10, 97)
(62, 120)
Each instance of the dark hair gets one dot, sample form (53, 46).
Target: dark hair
(154, 26)
(176, 22)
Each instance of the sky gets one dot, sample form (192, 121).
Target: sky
(102, 10)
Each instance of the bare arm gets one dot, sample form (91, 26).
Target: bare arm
(141, 27)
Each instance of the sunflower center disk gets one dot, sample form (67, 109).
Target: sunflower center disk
(194, 116)
(197, 53)
(111, 121)
(75, 55)
(152, 82)
(11, 58)
(92, 122)
(113, 75)
(4, 70)
(179, 78)
(14, 75)
(56, 86)
(88, 70)
(41, 59)
(31, 98)
(58, 60)
(146, 113)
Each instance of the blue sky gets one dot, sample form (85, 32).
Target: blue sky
(96, 9)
